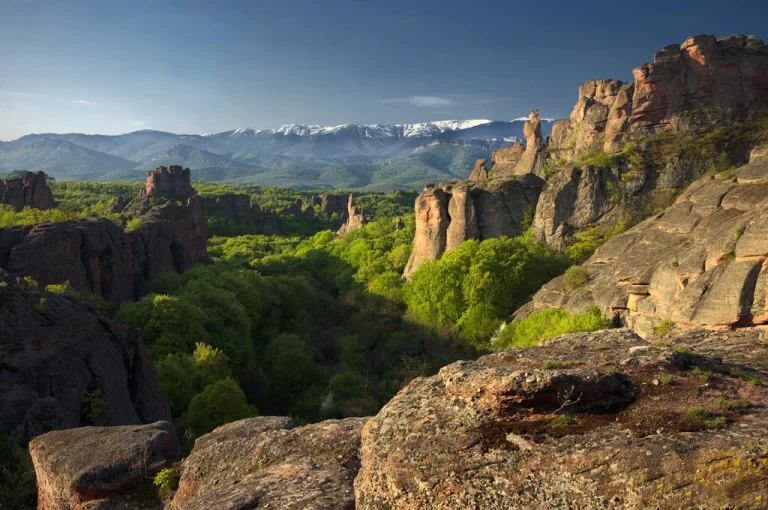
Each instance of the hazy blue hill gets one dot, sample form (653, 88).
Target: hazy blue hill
(59, 158)
(191, 157)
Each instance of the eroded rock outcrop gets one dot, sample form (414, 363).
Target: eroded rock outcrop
(479, 173)
(62, 365)
(701, 263)
(504, 161)
(102, 467)
(168, 181)
(270, 462)
(582, 421)
(454, 212)
(355, 218)
(701, 82)
(97, 256)
(532, 160)
(26, 189)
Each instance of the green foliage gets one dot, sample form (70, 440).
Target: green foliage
(675, 261)
(219, 403)
(547, 324)
(590, 239)
(575, 277)
(698, 413)
(30, 282)
(211, 362)
(664, 327)
(40, 307)
(563, 421)
(167, 481)
(59, 288)
(17, 474)
(91, 407)
(552, 364)
(134, 224)
(597, 158)
(667, 380)
(476, 286)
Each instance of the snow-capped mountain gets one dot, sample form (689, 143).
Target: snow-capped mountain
(284, 155)
(373, 131)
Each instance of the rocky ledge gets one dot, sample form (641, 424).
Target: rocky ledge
(601, 420)
(701, 263)
(26, 189)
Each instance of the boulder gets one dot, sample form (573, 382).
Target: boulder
(64, 365)
(590, 420)
(26, 189)
(102, 467)
(270, 462)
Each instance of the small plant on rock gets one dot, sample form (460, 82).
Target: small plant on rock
(166, 481)
(664, 327)
(563, 421)
(575, 277)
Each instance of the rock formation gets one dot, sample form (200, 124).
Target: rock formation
(26, 189)
(701, 263)
(58, 356)
(102, 467)
(96, 256)
(479, 173)
(701, 82)
(355, 218)
(452, 213)
(331, 204)
(504, 161)
(532, 160)
(583, 421)
(168, 181)
(270, 462)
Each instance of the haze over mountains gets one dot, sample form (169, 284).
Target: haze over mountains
(379, 156)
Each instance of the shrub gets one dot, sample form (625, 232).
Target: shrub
(575, 277)
(59, 288)
(219, 403)
(134, 224)
(211, 361)
(30, 282)
(92, 406)
(40, 307)
(664, 327)
(166, 481)
(548, 324)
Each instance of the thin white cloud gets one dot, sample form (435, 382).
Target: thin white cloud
(138, 123)
(46, 96)
(423, 101)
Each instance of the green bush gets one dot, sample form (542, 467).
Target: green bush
(547, 324)
(134, 224)
(219, 403)
(664, 327)
(575, 277)
(167, 481)
(91, 407)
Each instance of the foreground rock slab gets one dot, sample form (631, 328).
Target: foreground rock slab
(600, 420)
(101, 467)
(272, 463)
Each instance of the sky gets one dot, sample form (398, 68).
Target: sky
(205, 66)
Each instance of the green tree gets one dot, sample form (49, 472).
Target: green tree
(220, 402)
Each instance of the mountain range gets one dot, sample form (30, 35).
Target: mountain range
(377, 156)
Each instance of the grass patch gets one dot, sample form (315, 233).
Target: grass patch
(553, 363)
(667, 380)
(733, 406)
(547, 324)
(563, 421)
(704, 375)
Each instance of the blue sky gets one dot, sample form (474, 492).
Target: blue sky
(198, 66)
